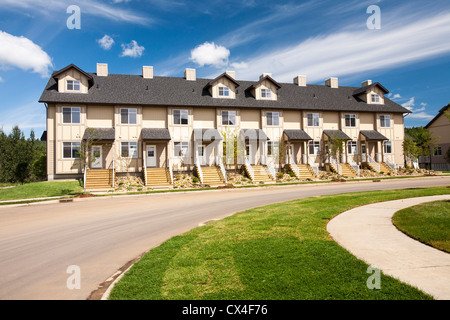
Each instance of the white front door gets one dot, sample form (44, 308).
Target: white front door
(290, 154)
(151, 156)
(97, 157)
(202, 155)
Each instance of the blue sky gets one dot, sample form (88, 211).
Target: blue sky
(409, 54)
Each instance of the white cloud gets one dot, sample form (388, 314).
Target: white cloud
(356, 51)
(132, 50)
(210, 54)
(106, 42)
(30, 115)
(410, 104)
(421, 115)
(20, 52)
(239, 65)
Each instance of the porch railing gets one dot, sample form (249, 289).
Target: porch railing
(373, 163)
(199, 169)
(271, 170)
(170, 166)
(219, 162)
(390, 164)
(144, 167)
(294, 166)
(354, 165)
(336, 165)
(249, 168)
(313, 165)
(84, 176)
(113, 174)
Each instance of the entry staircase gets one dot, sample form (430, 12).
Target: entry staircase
(344, 169)
(99, 179)
(379, 167)
(302, 171)
(158, 177)
(259, 173)
(211, 175)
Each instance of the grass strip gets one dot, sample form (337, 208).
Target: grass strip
(281, 251)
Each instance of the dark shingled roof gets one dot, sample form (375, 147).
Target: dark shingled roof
(207, 134)
(254, 134)
(373, 135)
(99, 134)
(117, 89)
(56, 73)
(336, 134)
(226, 75)
(297, 135)
(156, 134)
(358, 91)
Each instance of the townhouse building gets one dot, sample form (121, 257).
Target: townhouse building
(153, 126)
(439, 128)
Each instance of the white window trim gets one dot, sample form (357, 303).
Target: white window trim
(128, 116)
(224, 89)
(384, 120)
(350, 149)
(372, 95)
(267, 118)
(235, 116)
(267, 93)
(312, 119)
(128, 143)
(314, 143)
(71, 149)
(345, 120)
(173, 117)
(73, 85)
(187, 154)
(71, 115)
(385, 147)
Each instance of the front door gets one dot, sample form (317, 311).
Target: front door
(97, 157)
(290, 155)
(201, 155)
(151, 156)
(363, 152)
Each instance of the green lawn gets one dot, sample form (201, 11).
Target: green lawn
(280, 251)
(41, 189)
(428, 223)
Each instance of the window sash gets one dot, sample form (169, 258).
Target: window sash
(128, 116)
(228, 118)
(273, 148)
(350, 120)
(388, 147)
(385, 121)
(273, 118)
(71, 150)
(313, 119)
(266, 93)
(71, 114)
(352, 147)
(224, 91)
(73, 85)
(180, 117)
(128, 150)
(180, 149)
(314, 147)
(375, 98)
(438, 151)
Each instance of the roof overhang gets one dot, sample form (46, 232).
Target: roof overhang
(99, 134)
(336, 134)
(207, 134)
(254, 135)
(296, 135)
(156, 134)
(373, 135)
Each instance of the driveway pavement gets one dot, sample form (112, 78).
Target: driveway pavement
(38, 243)
(368, 233)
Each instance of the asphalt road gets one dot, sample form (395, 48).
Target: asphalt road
(99, 235)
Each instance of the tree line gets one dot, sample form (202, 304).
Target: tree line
(22, 159)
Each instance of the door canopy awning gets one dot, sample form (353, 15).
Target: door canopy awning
(207, 135)
(156, 134)
(336, 134)
(254, 135)
(373, 135)
(297, 135)
(99, 134)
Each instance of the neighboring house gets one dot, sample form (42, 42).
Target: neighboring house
(439, 127)
(178, 123)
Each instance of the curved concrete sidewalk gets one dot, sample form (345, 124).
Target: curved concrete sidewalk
(368, 233)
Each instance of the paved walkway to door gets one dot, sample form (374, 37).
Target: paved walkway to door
(368, 233)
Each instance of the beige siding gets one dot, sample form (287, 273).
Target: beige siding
(154, 117)
(204, 118)
(223, 82)
(266, 84)
(250, 119)
(72, 74)
(100, 116)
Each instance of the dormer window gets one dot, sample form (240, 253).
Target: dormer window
(73, 85)
(224, 92)
(375, 98)
(266, 93)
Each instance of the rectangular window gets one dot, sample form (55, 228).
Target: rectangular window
(266, 93)
(73, 85)
(313, 119)
(228, 118)
(71, 150)
(314, 147)
(180, 117)
(71, 114)
(352, 147)
(388, 147)
(375, 98)
(181, 149)
(438, 151)
(128, 150)
(224, 92)
(273, 118)
(350, 120)
(273, 148)
(128, 116)
(385, 121)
